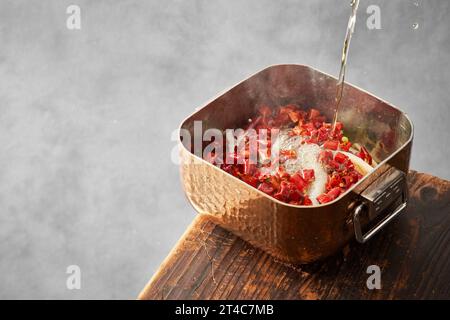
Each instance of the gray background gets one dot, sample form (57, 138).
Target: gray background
(86, 117)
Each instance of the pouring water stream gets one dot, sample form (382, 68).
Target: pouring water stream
(345, 49)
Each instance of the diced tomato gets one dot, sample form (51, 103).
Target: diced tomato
(231, 169)
(349, 166)
(290, 154)
(334, 164)
(307, 201)
(314, 113)
(331, 144)
(294, 116)
(290, 112)
(322, 134)
(296, 131)
(364, 154)
(324, 198)
(334, 193)
(311, 140)
(333, 181)
(340, 157)
(329, 196)
(266, 188)
(346, 181)
(285, 187)
(345, 146)
(325, 156)
(299, 181)
(339, 126)
(309, 127)
(283, 194)
(250, 180)
(308, 174)
(282, 173)
(274, 181)
(295, 195)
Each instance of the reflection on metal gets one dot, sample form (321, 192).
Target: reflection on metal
(296, 234)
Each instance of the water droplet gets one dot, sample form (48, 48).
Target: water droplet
(416, 4)
(415, 26)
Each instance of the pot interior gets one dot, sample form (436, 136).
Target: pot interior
(369, 121)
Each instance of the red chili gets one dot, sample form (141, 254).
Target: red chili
(291, 188)
(332, 145)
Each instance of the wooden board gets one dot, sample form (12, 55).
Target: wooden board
(413, 254)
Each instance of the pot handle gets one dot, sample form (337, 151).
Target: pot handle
(358, 232)
(377, 198)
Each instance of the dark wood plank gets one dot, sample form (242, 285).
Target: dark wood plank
(413, 253)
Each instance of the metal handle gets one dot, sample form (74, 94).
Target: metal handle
(357, 225)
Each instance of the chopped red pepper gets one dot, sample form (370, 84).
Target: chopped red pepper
(345, 146)
(308, 174)
(250, 180)
(307, 201)
(266, 188)
(324, 198)
(314, 114)
(289, 154)
(340, 157)
(329, 196)
(299, 181)
(311, 126)
(364, 154)
(334, 193)
(325, 156)
(332, 145)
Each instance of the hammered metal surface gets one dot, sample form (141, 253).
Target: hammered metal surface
(291, 233)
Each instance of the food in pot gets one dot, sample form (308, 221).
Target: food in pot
(300, 158)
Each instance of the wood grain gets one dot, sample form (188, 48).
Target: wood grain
(413, 253)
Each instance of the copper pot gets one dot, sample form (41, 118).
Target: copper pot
(302, 234)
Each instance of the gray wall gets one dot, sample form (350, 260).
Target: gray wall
(86, 116)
